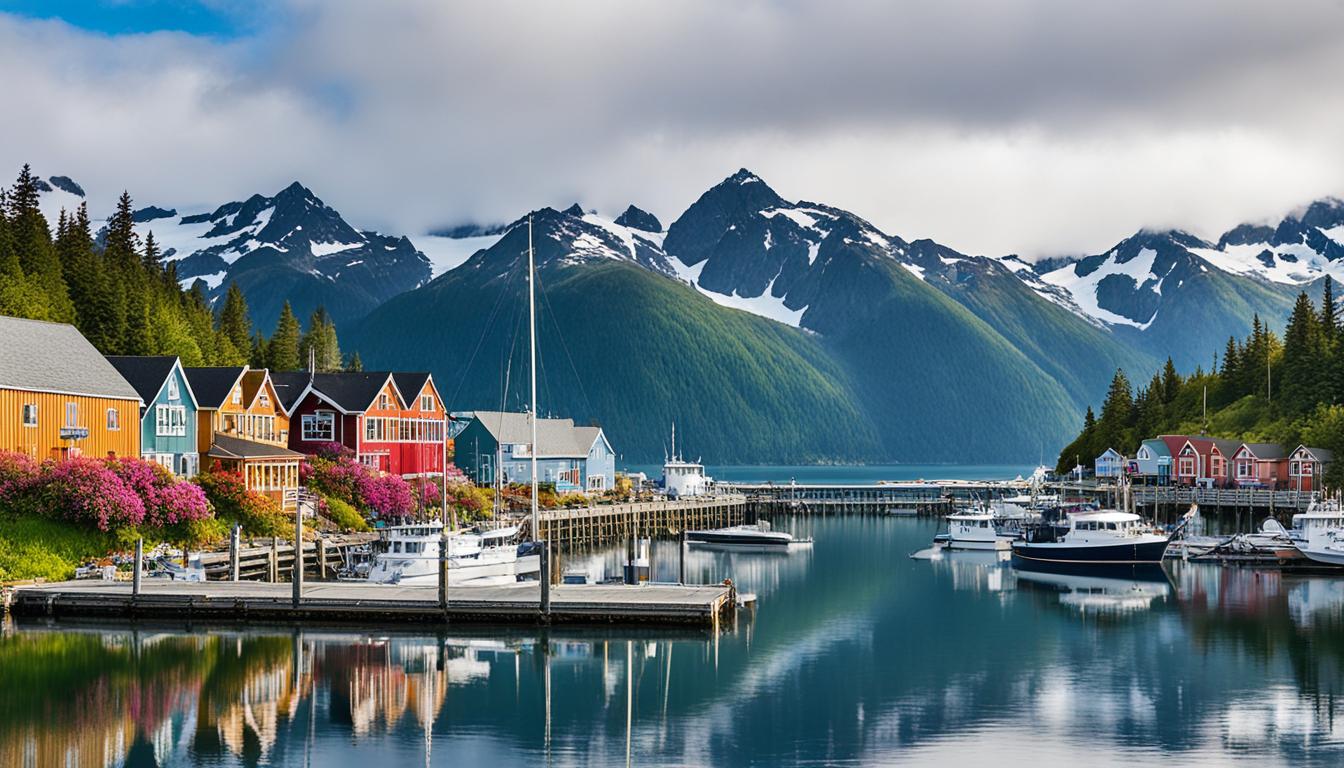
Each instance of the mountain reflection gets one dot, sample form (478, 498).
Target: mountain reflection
(856, 654)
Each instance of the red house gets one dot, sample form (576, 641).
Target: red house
(1201, 460)
(1306, 465)
(1260, 465)
(401, 432)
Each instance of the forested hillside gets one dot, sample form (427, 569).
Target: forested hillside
(1262, 388)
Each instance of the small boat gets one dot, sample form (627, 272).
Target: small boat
(1094, 540)
(754, 537)
(974, 529)
(1318, 533)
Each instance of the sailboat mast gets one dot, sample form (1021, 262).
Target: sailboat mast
(532, 369)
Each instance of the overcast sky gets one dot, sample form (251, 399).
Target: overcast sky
(1001, 126)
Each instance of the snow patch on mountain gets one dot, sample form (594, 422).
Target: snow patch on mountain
(446, 253)
(1084, 289)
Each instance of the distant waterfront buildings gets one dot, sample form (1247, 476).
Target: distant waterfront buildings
(496, 447)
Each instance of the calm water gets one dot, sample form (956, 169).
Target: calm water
(857, 655)
(852, 475)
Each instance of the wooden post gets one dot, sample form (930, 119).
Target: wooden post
(296, 576)
(681, 559)
(235, 551)
(139, 566)
(545, 576)
(443, 572)
(322, 558)
(274, 563)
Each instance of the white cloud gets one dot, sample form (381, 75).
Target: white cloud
(1031, 126)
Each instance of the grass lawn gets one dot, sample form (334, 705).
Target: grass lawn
(34, 547)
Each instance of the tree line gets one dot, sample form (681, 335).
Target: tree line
(1259, 389)
(119, 291)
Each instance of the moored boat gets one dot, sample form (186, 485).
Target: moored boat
(759, 536)
(1318, 533)
(1094, 540)
(409, 555)
(974, 529)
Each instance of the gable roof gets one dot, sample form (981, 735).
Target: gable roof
(38, 356)
(350, 391)
(1157, 447)
(409, 383)
(1323, 455)
(1226, 448)
(556, 438)
(213, 385)
(1265, 451)
(1110, 452)
(289, 387)
(229, 447)
(148, 374)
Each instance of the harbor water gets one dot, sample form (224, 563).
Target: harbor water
(856, 654)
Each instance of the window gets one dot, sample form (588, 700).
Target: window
(319, 426)
(72, 414)
(30, 414)
(190, 463)
(426, 402)
(173, 393)
(237, 396)
(113, 419)
(1244, 468)
(170, 420)
(264, 400)
(1187, 466)
(384, 402)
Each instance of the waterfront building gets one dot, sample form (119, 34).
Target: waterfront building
(1306, 465)
(1154, 461)
(59, 397)
(168, 414)
(241, 426)
(1260, 465)
(1110, 464)
(394, 422)
(496, 447)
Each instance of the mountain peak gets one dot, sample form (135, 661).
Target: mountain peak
(66, 184)
(744, 176)
(637, 218)
(575, 210)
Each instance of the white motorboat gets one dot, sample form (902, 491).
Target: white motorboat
(1318, 533)
(974, 529)
(754, 537)
(409, 554)
(1091, 541)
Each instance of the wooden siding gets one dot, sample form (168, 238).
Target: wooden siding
(44, 441)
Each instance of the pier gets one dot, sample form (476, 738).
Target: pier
(568, 529)
(344, 602)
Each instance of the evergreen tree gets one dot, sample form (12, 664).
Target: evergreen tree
(138, 340)
(321, 340)
(1301, 385)
(1114, 428)
(152, 255)
(36, 253)
(355, 363)
(1329, 312)
(234, 322)
(122, 246)
(282, 351)
(1171, 382)
(256, 356)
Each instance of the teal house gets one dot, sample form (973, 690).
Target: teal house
(497, 447)
(168, 416)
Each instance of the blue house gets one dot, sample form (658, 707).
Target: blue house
(1154, 460)
(1110, 464)
(496, 447)
(168, 416)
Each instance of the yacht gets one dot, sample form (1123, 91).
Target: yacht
(409, 554)
(976, 529)
(682, 478)
(1318, 533)
(753, 537)
(1090, 540)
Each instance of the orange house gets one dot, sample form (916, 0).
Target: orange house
(59, 397)
(242, 426)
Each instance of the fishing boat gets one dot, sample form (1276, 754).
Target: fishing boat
(974, 529)
(1090, 540)
(1318, 533)
(753, 537)
(409, 555)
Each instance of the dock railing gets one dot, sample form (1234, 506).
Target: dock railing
(1223, 497)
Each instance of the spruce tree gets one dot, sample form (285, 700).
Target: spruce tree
(1329, 312)
(1302, 379)
(282, 351)
(1171, 382)
(321, 340)
(355, 363)
(152, 255)
(256, 356)
(234, 322)
(1117, 415)
(37, 254)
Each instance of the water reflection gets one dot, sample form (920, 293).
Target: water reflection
(857, 654)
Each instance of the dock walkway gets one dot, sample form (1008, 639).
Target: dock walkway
(245, 601)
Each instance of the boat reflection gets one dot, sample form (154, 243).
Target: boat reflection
(1102, 594)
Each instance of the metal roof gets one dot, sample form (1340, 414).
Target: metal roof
(556, 438)
(38, 356)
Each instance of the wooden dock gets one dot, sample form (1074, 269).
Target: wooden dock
(570, 529)
(376, 604)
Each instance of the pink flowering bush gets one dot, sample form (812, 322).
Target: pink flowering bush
(349, 481)
(84, 490)
(387, 495)
(18, 471)
(168, 501)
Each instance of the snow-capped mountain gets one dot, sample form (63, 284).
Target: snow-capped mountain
(59, 193)
(1304, 247)
(288, 246)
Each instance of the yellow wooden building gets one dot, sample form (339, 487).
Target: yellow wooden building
(242, 427)
(59, 397)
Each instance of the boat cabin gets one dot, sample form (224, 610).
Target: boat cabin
(1105, 525)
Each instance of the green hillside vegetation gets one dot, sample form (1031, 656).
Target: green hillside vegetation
(1262, 389)
(125, 299)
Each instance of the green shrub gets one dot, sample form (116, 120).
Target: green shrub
(258, 515)
(33, 547)
(345, 515)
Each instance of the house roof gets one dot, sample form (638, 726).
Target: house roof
(409, 383)
(1267, 451)
(1227, 448)
(1158, 447)
(351, 391)
(148, 374)
(1323, 455)
(212, 385)
(38, 356)
(1110, 452)
(556, 438)
(229, 447)
(289, 387)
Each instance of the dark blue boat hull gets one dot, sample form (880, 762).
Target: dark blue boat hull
(1114, 558)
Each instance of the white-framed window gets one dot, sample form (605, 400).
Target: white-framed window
(426, 402)
(30, 414)
(1187, 466)
(72, 414)
(384, 402)
(237, 395)
(170, 420)
(320, 426)
(264, 400)
(190, 464)
(1245, 468)
(113, 419)
(173, 392)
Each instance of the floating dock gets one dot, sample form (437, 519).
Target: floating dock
(377, 604)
